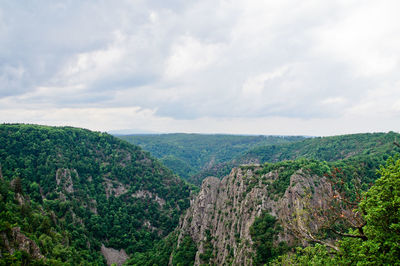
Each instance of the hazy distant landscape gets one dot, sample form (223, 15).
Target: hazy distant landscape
(71, 195)
(185, 133)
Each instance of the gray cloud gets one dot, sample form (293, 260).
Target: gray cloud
(189, 60)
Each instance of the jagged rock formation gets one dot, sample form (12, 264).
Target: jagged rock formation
(15, 240)
(114, 256)
(220, 217)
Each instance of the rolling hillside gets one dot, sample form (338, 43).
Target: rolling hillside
(319, 148)
(66, 192)
(189, 154)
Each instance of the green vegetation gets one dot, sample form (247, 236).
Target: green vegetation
(378, 241)
(381, 209)
(286, 169)
(326, 148)
(66, 191)
(158, 255)
(363, 147)
(189, 154)
(85, 188)
(264, 233)
(311, 255)
(207, 255)
(57, 240)
(186, 252)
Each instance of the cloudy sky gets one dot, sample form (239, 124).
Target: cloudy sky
(307, 67)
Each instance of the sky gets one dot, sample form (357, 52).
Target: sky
(284, 67)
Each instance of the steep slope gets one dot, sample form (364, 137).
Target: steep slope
(221, 217)
(88, 189)
(188, 154)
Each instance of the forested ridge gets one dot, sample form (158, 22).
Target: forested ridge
(337, 226)
(190, 154)
(71, 190)
(334, 148)
(366, 227)
(65, 192)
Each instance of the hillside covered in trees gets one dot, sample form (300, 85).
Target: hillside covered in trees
(189, 154)
(300, 212)
(68, 196)
(358, 146)
(65, 192)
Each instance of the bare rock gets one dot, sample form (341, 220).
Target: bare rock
(226, 209)
(149, 195)
(18, 241)
(114, 256)
(63, 178)
(114, 187)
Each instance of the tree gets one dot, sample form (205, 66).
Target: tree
(17, 185)
(186, 252)
(377, 240)
(264, 232)
(381, 209)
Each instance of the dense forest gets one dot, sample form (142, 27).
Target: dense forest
(71, 190)
(320, 148)
(341, 236)
(190, 154)
(66, 193)
(372, 236)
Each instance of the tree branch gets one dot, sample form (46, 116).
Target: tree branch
(396, 143)
(327, 244)
(363, 237)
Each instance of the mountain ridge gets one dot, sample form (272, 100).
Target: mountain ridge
(93, 189)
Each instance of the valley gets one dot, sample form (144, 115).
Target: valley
(72, 196)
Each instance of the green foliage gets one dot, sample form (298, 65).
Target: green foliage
(185, 254)
(381, 208)
(286, 169)
(327, 148)
(312, 255)
(36, 223)
(189, 154)
(81, 204)
(208, 248)
(264, 232)
(158, 255)
(161, 252)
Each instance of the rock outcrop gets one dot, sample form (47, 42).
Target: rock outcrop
(220, 217)
(64, 179)
(15, 240)
(114, 256)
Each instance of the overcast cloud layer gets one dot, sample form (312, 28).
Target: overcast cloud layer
(250, 67)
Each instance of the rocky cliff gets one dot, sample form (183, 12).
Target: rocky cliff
(220, 217)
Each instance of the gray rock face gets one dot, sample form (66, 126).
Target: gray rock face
(221, 215)
(18, 241)
(63, 177)
(114, 256)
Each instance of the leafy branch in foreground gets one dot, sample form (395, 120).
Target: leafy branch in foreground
(377, 243)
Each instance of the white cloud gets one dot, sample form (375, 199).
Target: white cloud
(219, 66)
(190, 55)
(334, 100)
(254, 86)
(366, 37)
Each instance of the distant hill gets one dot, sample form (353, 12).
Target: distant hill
(189, 154)
(271, 205)
(319, 148)
(65, 192)
(326, 148)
